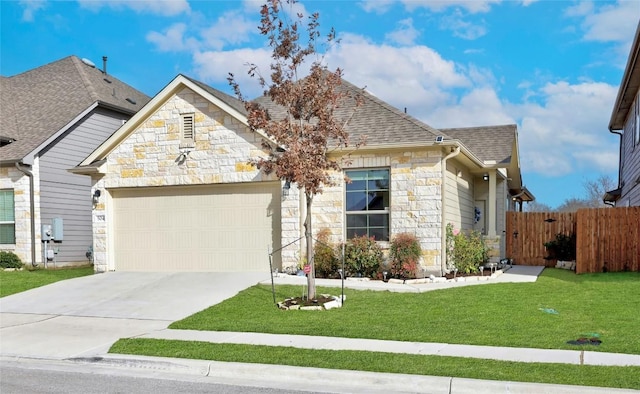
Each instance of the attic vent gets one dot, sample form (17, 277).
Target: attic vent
(88, 62)
(188, 137)
(132, 101)
(5, 140)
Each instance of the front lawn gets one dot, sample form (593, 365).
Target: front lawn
(506, 314)
(12, 282)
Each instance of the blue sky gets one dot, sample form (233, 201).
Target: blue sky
(551, 67)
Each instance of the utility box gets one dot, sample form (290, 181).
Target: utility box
(46, 232)
(56, 229)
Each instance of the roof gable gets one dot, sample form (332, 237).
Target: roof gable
(39, 103)
(494, 145)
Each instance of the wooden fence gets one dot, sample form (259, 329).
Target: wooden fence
(606, 238)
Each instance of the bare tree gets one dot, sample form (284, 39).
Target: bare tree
(573, 204)
(595, 190)
(535, 206)
(302, 113)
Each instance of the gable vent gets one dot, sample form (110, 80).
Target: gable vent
(187, 139)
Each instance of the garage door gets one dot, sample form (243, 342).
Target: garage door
(196, 228)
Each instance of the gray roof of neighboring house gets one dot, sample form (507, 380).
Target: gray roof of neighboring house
(38, 103)
(380, 122)
(488, 143)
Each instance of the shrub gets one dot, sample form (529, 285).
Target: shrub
(325, 258)
(466, 252)
(404, 254)
(9, 260)
(362, 257)
(563, 247)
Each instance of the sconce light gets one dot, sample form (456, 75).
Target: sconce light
(96, 196)
(485, 177)
(285, 189)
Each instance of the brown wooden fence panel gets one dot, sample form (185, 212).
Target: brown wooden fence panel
(528, 231)
(608, 239)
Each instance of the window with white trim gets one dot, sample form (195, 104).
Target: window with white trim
(367, 203)
(7, 218)
(187, 131)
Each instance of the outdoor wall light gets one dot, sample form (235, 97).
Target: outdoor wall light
(285, 189)
(485, 177)
(96, 196)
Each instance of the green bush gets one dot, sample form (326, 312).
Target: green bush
(563, 247)
(465, 252)
(326, 261)
(404, 255)
(362, 257)
(9, 260)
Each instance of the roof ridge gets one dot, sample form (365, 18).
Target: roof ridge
(85, 79)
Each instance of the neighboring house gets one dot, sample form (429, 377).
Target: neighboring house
(51, 118)
(177, 192)
(625, 121)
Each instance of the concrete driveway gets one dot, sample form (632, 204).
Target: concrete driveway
(83, 317)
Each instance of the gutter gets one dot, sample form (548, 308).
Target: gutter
(32, 209)
(443, 246)
(619, 133)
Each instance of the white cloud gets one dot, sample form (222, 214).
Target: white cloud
(462, 28)
(377, 6)
(230, 28)
(158, 7)
(30, 8)
(612, 22)
(479, 107)
(568, 131)
(472, 6)
(405, 34)
(527, 3)
(172, 40)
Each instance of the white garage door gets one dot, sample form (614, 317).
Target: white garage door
(196, 228)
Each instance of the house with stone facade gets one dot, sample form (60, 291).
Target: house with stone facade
(625, 122)
(177, 192)
(51, 118)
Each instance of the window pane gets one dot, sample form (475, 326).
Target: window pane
(356, 201)
(379, 234)
(356, 232)
(6, 206)
(378, 201)
(7, 234)
(357, 221)
(378, 220)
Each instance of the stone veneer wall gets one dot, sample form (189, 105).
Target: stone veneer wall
(147, 157)
(12, 178)
(415, 203)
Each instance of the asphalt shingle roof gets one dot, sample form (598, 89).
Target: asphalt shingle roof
(36, 104)
(380, 122)
(488, 143)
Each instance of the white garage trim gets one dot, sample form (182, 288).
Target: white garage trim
(211, 228)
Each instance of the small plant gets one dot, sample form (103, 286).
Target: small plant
(325, 257)
(362, 257)
(404, 255)
(9, 260)
(563, 247)
(465, 252)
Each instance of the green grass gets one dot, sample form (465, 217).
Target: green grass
(12, 282)
(586, 375)
(506, 314)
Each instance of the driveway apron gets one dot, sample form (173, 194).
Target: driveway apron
(83, 317)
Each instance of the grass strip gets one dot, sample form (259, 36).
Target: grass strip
(12, 282)
(504, 314)
(584, 375)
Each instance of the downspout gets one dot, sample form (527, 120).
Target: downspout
(32, 209)
(443, 246)
(619, 162)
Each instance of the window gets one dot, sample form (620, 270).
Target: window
(7, 218)
(188, 131)
(367, 204)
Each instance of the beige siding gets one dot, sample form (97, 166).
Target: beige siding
(198, 228)
(459, 196)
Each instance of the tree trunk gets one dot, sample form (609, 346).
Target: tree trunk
(311, 276)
